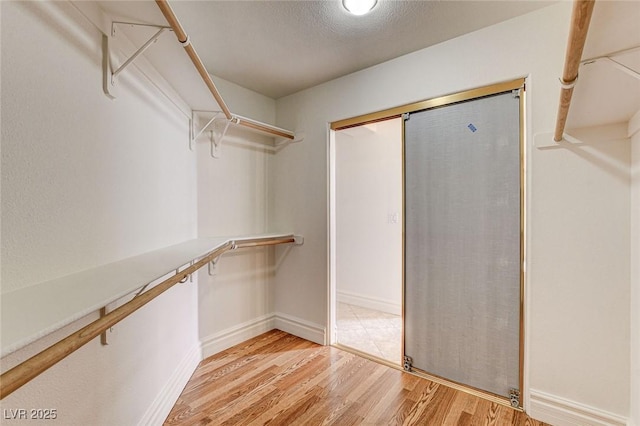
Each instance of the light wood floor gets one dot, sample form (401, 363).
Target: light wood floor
(280, 379)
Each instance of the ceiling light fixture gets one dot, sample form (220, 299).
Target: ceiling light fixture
(359, 7)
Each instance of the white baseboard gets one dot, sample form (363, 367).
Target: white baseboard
(562, 412)
(301, 328)
(158, 411)
(165, 400)
(224, 339)
(369, 302)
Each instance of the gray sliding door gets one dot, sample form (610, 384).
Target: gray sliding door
(462, 243)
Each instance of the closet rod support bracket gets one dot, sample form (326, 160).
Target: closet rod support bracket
(103, 336)
(216, 140)
(213, 267)
(142, 289)
(184, 279)
(282, 142)
(111, 75)
(194, 134)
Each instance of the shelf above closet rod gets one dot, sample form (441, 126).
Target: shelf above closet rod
(608, 59)
(183, 38)
(22, 324)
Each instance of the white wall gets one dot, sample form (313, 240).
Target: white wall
(634, 397)
(233, 199)
(578, 215)
(369, 215)
(138, 190)
(85, 181)
(579, 286)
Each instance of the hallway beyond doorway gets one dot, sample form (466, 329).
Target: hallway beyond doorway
(376, 333)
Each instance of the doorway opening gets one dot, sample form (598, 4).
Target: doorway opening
(368, 244)
(462, 222)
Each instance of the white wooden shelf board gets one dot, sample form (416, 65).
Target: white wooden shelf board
(33, 312)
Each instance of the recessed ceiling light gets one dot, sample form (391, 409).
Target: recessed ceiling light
(359, 7)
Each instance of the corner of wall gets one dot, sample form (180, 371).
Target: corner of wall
(633, 126)
(170, 392)
(634, 396)
(298, 327)
(220, 341)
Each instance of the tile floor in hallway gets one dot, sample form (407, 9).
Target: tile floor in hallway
(373, 332)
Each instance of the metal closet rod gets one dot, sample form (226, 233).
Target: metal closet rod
(580, 19)
(183, 38)
(28, 370)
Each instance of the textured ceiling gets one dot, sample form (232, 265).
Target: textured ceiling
(280, 47)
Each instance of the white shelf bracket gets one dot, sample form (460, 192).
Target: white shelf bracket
(111, 75)
(213, 266)
(103, 336)
(195, 134)
(609, 60)
(216, 140)
(215, 136)
(184, 279)
(144, 287)
(281, 143)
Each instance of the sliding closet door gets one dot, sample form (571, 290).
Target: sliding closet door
(462, 244)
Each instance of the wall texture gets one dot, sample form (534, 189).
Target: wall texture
(579, 269)
(635, 271)
(85, 181)
(369, 215)
(578, 214)
(233, 199)
(235, 194)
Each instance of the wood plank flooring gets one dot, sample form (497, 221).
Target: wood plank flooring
(280, 379)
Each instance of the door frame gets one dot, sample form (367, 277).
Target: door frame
(516, 84)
